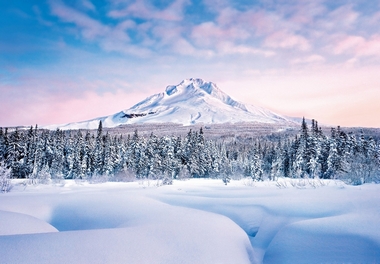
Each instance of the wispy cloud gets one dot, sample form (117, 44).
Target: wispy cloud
(315, 58)
(358, 46)
(144, 9)
(88, 5)
(342, 18)
(39, 17)
(286, 41)
(208, 34)
(90, 28)
(110, 38)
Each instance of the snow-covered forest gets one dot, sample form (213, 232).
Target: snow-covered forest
(43, 155)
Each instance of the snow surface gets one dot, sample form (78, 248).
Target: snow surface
(191, 102)
(193, 221)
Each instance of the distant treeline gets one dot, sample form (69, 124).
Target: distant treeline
(40, 155)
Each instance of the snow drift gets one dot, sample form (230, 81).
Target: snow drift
(193, 221)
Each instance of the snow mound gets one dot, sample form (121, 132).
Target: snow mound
(323, 241)
(15, 223)
(104, 224)
(190, 102)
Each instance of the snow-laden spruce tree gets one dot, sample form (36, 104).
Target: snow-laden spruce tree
(15, 153)
(98, 152)
(3, 142)
(56, 167)
(5, 178)
(254, 167)
(225, 168)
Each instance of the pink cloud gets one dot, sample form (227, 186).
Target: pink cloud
(225, 39)
(287, 40)
(231, 48)
(369, 47)
(358, 46)
(253, 22)
(348, 43)
(182, 46)
(228, 16)
(166, 33)
(262, 22)
(208, 34)
(278, 31)
(305, 12)
(216, 5)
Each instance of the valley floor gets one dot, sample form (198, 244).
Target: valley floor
(193, 221)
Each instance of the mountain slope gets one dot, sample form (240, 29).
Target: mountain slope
(190, 102)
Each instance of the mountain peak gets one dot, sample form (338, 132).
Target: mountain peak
(196, 86)
(196, 82)
(190, 85)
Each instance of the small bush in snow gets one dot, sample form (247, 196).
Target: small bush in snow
(303, 183)
(248, 181)
(44, 176)
(226, 179)
(96, 178)
(167, 181)
(127, 175)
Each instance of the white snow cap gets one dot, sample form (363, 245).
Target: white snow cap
(192, 84)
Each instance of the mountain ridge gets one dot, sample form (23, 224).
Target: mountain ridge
(192, 101)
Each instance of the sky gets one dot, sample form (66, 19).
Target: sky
(63, 61)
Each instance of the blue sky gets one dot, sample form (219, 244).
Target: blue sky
(64, 61)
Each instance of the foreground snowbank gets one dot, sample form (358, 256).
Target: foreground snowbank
(113, 223)
(194, 221)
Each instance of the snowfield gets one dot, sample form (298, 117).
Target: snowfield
(193, 221)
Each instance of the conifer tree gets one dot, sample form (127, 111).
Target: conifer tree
(78, 167)
(30, 150)
(56, 169)
(15, 154)
(108, 165)
(98, 152)
(5, 178)
(4, 149)
(2, 145)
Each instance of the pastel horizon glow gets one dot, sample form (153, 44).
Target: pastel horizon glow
(65, 61)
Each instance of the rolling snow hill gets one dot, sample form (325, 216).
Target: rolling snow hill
(193, 101)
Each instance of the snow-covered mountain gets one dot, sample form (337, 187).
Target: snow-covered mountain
(192, 101)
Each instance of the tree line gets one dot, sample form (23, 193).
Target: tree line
(43, 155)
